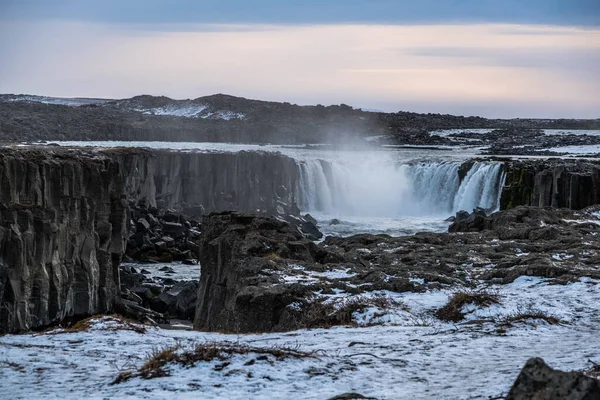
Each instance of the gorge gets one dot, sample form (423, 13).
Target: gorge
(65, 215)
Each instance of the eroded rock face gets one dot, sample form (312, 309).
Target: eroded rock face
(556, 183)
(245, 181)
(238, 292)
(537, 381)
(63, 225)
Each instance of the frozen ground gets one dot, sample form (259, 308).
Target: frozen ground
(411, 355)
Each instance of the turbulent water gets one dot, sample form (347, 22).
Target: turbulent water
(376, 195)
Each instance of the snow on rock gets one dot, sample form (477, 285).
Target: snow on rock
(190, 110)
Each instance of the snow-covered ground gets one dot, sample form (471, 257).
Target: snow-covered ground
(411, 355)
(549, 132)
(577, 150)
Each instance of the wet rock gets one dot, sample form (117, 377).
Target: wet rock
(537, 381)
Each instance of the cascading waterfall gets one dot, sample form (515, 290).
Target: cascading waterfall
(385, 189)
(481, 187)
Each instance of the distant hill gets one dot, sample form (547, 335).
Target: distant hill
(225, 118)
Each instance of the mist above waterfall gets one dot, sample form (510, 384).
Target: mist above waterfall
(377, 186)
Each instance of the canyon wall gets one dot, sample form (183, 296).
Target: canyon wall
(63, 227)
(245, 181)
(64, 217)
(64, 214)
(571, 184)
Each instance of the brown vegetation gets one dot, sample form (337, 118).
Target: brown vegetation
(157, 362)
(452, 311)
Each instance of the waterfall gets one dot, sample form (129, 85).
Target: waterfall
(385, 189)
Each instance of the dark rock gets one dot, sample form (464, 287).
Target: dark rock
(169, 241)
(310, 218)
(233, 296)
(142, 225)
(537, 381)
(173, 229)
(573, 184)
(171, 216)
(310, 231)
(63, 224)
(186, 294)
(350, 396)
(334, 221)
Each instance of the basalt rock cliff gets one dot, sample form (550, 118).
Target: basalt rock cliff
(573, 184)
(65, 217)
(63, 227)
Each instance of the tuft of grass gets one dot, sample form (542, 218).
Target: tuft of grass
(84, 325)
(452, 311)
(593, 372)
(318, 314)
(13, 365)
(272, 256)
(156, 365)
(528, 314)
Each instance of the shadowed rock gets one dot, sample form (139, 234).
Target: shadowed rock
(63, 227)
(237, 291)
(537, 381)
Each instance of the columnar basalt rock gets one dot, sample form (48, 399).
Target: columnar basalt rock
(573, 184)
(63, 227)
(246, 181)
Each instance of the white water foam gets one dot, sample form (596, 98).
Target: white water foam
(379, 189)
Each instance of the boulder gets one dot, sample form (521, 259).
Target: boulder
(537, 381)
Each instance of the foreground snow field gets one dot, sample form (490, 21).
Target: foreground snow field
(410, 354)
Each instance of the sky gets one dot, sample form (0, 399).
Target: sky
(510, 58)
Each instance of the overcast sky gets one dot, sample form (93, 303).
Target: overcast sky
(511, 58)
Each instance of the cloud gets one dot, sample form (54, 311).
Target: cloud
(467, 69)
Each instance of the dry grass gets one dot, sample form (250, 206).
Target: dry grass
(272, 256)
(319, 314)
(452, 311)
(593, 372)
(526, 315)
(158, 361)
(13, 365)
(84, 325)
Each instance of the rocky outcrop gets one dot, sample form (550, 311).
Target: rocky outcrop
(63, 228)
(259, 274)
(238, 292)
(573, 184)
(537, 381)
